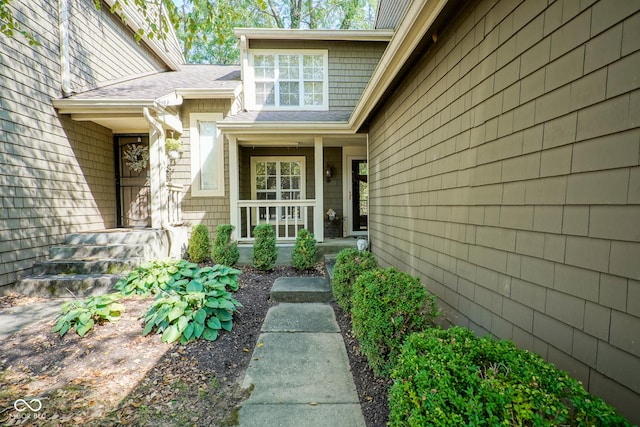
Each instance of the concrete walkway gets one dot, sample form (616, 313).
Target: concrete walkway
(299, 372)
(13, 319)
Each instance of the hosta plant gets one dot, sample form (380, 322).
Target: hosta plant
(197, 307)
(152, 277)
(83, 315)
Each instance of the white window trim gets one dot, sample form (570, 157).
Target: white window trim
(194, 137)
(250, 81)
(303, 185)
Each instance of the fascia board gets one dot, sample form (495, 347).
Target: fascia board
(419, 17)
(79, 106)
(210, 93)
(251, 128)
(295, 34)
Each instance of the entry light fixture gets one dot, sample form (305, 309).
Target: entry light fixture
(327, 172)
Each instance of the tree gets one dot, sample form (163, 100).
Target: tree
(205, 27)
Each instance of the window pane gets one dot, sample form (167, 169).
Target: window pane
(265, 94)
(289, 67)
(285, 167)
(289, 93)
(271, 168)
(271, 183)
(264, 66)
(313, 67)
(285, 183)
(295, 168)
(313, 93)
(208, 155)
(295, 183)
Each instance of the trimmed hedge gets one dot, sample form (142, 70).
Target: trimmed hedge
(388, 305)
(304, 252)
(199, 244)
(350, 263)
(265, 252)
(225, 251)
(452, 378)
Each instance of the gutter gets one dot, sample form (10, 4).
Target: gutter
(65, 65)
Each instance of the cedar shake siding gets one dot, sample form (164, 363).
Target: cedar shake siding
(505, 173)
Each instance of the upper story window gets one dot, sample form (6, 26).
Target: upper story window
(288, 80)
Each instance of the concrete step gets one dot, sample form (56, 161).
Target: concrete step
(301, 289)
(99, 251)
(61, 285)
(128, 236)
(87, 266)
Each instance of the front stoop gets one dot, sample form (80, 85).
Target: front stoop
(301, 289)
(91, 263)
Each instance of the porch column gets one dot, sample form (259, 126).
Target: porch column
(234, 186)
(157, 173)
(318, 212)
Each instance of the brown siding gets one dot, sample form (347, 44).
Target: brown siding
(505, 172)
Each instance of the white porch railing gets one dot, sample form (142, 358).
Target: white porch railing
(174, 205)
(286, 216)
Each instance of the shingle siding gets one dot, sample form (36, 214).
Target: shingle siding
(56, 175)
(505, 171)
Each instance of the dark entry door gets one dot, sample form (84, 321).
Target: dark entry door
(360, 194)
(132, 181)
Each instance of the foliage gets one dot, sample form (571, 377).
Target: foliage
(225, 251)
(388, 305)
(9, 26)
(194, 307)
(350, 263)
(451, 378)
(172, 144)
(83, 315)
(304, 251)
(155, 276)
(199, 243)
(265, 253)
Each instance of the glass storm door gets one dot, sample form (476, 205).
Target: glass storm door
(359, 196)
(132, 181)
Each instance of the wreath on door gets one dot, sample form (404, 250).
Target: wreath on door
(136, 157)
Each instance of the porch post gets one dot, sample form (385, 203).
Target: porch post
(234, 186)
(318, 211)
(157, 174)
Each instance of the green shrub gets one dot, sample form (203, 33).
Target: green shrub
(350, 263)
(196, 305)
(304, 251)
(83, 315)
(264, 253)
(225, 251)
(199, 244)
(388, 305)
(451, 378)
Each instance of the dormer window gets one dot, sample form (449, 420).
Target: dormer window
(288, 80)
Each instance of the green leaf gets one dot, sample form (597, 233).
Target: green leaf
(224, 315)
(195, 286)
(171, 334)
(174, 313)
(212, 303)
(188, 331)
(200, 316)
(227, 325)
(198, 328)
(182, 323)
(214, 323)
(210, 334)
(148, 328)
(83, 328)
(65, 328)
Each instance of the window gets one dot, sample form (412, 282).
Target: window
(207, 155)
(289, 80)
(278, 179)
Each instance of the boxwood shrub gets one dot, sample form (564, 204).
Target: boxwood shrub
(452, 378)
(199, 244)
(350, 263)
(387, 306)
(265, 252)
(304, 252)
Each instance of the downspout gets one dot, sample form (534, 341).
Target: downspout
(65, 65)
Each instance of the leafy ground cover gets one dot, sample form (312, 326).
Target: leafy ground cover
(116, 376)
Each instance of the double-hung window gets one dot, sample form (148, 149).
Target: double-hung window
(278, 179)
(290, 80)
(207, 155)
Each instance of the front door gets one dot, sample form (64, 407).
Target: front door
(132, 181)
(359, 193)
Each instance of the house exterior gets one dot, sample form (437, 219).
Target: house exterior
(489, 147)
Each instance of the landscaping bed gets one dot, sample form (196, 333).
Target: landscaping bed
(114, 375)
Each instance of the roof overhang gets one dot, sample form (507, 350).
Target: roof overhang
(210, 93)
(326, 35)
(121, 116)
(299, 128)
